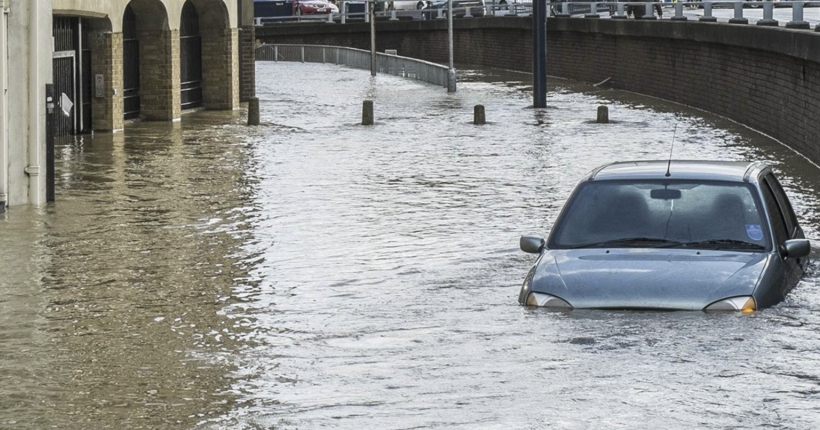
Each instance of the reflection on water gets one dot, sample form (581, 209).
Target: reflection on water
(314, 273)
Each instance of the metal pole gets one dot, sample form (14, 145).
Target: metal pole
(451, 72)
(50, 112)
(539, 55)
(373, 39)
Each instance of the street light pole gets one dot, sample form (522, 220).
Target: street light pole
(539, 55)
(451, 73)
(373, 38)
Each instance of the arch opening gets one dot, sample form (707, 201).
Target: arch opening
(148, 62)
(190, 50)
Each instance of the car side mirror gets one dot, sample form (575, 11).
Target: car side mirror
(532, 244)
(795, 248)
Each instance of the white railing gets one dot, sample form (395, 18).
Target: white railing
(406, 67)
(738, 12)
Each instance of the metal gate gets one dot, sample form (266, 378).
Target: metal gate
(130, 65)
(66, 40)
(190, 51)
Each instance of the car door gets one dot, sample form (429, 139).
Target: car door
(789, 267)
(792, 226)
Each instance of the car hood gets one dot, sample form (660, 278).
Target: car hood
(647, 278)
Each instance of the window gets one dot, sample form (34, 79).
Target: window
(778, 223)
(783, 201)
(671, 213)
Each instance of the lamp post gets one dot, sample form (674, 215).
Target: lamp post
(372, 12)
(539, 55)
(451, 72)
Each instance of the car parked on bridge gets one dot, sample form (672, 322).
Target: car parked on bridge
(310, 7)
(477, 8)
(406, 5)
(679, 235)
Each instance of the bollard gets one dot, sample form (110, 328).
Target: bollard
(678, 12)
(440, 14)
(707, 12)
(620, 11)
(593, 11)
(367, 112)
(738, 18)
(330, 17)
(768, 15)
(797, 21)
(393, 15)
(649, 13)
(479, 118)
(468, 13)
(603, 115)
(253, 111)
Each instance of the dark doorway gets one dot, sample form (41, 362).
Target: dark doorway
(190, 51)
(66, 43)
(130, 65)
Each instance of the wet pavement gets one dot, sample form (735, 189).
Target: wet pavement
(315, 273)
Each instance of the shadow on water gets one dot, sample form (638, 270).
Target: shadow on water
(313, 273)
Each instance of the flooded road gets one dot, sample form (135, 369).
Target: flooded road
(314, 273)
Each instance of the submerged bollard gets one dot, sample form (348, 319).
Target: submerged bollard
(603, 115)
(253, 111)
(479, 118)
(367, 112)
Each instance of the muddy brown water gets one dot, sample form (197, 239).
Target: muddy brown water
(314, 273)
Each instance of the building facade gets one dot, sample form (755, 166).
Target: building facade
(105, 62)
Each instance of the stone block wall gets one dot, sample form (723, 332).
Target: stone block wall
(107, 60)
(247, 49)
(220, 69)
(159, 75)
(766, 78)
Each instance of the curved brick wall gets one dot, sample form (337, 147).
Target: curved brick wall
(766, 78)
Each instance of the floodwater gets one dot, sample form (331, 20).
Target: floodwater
(314, 273)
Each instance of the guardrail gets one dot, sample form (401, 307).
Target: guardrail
(390, 64)
(680, 11)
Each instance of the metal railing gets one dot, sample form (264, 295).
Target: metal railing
(740, 12)
(390, 64)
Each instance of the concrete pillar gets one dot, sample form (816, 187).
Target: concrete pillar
(247, 48)
(29, 70)
(220, 69)
(159, 75)
(107, 60)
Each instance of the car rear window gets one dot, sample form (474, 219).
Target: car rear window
(689, 213)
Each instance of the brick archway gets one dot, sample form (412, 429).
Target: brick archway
(220, 55)
(157, 49)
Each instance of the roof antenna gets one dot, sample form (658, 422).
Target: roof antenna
(669, 165)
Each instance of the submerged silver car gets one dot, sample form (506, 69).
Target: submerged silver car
(685, 235)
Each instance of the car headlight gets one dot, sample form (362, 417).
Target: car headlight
(547, 301)
(742, 304)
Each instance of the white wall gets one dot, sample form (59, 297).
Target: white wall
(114, 10)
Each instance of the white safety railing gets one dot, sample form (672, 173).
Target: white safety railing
(764, 13)
(356, 58)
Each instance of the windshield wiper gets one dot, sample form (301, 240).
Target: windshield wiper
(652, 242)
(733, 243)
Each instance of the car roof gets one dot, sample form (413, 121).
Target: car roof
(733, 171)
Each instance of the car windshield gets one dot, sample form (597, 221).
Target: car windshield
(685, 214)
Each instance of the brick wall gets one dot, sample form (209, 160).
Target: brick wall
(247, 48)
(220, 69)
(766, 78)
(107, 60)
(159, 75)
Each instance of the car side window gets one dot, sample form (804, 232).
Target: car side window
(784, 203)
(778, 223)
